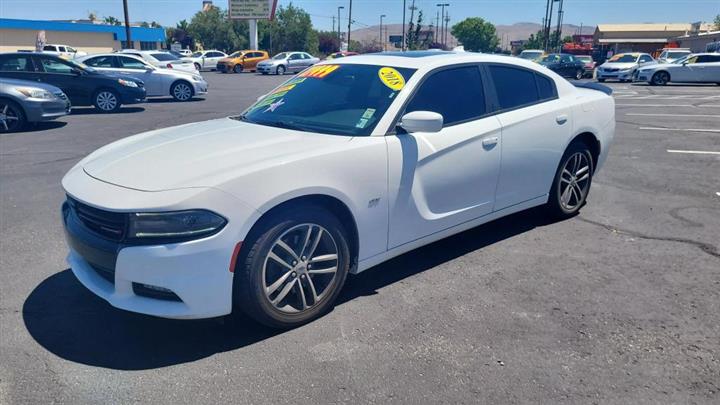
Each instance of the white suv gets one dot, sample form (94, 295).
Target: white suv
(63, 50)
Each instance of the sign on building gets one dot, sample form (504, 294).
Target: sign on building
(251, 9)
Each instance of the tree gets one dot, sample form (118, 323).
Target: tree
(415, 39)
(534, 42)
(110, 20)
(291, 31)
(180, 35)
(328, 42)
(214, 30)
(717, 22)
(476, 34)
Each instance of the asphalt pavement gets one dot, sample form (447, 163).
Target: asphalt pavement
(620, 304)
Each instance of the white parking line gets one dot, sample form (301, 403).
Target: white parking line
(666, 97)
(674, 115)
(680, 129)
(693, 152)
(718, 194)
(655, 105)
(708, 105)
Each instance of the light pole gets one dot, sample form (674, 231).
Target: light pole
(447, 20)
(339, 35)
(381, 31)
(349, 23)
(442, 29)
(402, 45)
(127, 26)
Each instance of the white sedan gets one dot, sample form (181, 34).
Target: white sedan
(163, 60)
(181, 86)
(344, 166)
(206, 60)
(695, 68)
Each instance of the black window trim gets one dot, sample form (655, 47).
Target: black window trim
(488, 111)
(496, 100)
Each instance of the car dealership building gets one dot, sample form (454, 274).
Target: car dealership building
(88, 36)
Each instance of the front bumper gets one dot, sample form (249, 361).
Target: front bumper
(132, 95)
(265, 68)
(200, 88)
(619, 75)
(46, 110)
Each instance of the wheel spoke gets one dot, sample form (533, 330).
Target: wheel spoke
(585, 176)
(5, 125)
(312, 290)
(578, 192)
(323, 271)
(565, 197)
(284, 292)
(323, 258)
(5, 108)
(288, 249)
(302, 295)
(307, 240)
(278, 259)
(583, 170)
(315, 244)
(11, 118)
(274, 286)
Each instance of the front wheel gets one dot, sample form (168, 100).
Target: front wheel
(107, 101)
(572, 181)
(12, 117)
(181, 91)
(293, 269)
(660, 79)
(238, 68)
(280, 70)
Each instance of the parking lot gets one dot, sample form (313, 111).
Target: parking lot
(620, 304)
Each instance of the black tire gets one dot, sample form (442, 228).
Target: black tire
(197, 66)
(107, 101)
(249, 284)
(601, 80)
(12, 116)
(280, 70)
(238, 68)
(660, 78)
(576, 182)
(579, 74)
(182, 91)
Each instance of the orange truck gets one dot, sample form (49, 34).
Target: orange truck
(241, 60)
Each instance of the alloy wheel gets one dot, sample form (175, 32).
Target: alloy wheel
(574, 181)
(10, 119)
(106, 101)
(182, 92)
(660, 78)
(300, 268)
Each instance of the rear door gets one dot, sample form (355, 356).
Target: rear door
(708, 68)
(296, 62)
(535, 127)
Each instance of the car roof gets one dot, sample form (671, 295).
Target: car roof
(430, 59)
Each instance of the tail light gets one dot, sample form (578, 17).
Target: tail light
(169, 66)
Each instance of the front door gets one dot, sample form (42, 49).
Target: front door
(446, 178)
(62, 74)
(138, 69)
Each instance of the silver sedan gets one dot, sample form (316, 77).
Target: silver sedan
(22, 101)
(287, 62)
(182, 86)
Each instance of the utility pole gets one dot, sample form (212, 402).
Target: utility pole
(559, 26)
(442, 23)
(128, 39)
(412, 17)
(382, 42)
(437, 27)
(334, 23)
(349, 24)
(546, 23)
(447, 20)
(338, 32)
(402, 45)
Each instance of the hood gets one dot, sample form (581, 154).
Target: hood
(203, 154)
(619, 65)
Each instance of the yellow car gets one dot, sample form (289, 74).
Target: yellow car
(241, 60)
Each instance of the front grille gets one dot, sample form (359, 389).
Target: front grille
(110, 225)
(610, 70)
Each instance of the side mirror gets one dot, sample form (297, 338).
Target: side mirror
(422, 121)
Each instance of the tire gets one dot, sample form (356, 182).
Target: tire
(264, 73)
(601, 80)
(197, 66)
(237, 69)
(660, 79)
(579, 74)
(182, 91)
(291, 301)
(280, 70)
(573, 177)
(12, 116)
(107, 101)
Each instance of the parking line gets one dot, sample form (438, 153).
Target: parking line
(708, 105)
(694, 152)
(656, 105)
(680, 129)
(674, 115)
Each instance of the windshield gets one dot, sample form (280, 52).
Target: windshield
(674, 55)
(551, 58)
(530, 55)
(624, 58)
(280, 56)
(586, 59)
(197, 55)
(343, 99)
(164, 57)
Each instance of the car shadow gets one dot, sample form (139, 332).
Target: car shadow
(72, 323)
(171, 100)
(39, 127)
(95, 111)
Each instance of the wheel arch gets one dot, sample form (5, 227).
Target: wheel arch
(592, 142)
(177, 81)
(663, 71)
(17, 102)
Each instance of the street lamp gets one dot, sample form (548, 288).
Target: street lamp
(381, 31)
(339, 8)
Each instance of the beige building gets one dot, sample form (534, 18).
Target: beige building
(640, 37)
(18, 35)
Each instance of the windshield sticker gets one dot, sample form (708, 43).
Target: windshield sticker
(272, 107)
(361, 123)
(368, 113)
(318, 72)
(391, 78)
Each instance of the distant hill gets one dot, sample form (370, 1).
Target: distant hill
(514, 32)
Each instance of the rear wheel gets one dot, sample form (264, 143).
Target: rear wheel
(294, 268)
(579, 74)
(107, 101)
(572, 181)
(12, 117)
(181, 91)
(238, 68)
(280, 70)
(660, 78)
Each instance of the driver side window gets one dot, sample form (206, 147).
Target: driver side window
(130, 63)
(457, 94)
(100, 61)
(55, 66)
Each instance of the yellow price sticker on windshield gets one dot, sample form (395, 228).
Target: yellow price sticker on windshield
(391, 78)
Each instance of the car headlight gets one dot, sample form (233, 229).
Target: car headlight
(35, 93)
(128, 83)
(197, 78)
(191, 224)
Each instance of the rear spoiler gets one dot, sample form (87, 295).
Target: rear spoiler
(593, 86)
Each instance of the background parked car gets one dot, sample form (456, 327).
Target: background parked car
(206, 60)
(63, 50)
(589, 64)
(181, 86)
(694, 68)
(341, 54)
(565, 65)
(163, 59)
(241, 60)
(83, 85)
(22, 101)
(622, 66)
(532, 54)
(672, 54)
(287, 62)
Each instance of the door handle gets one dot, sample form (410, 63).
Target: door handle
(561, 119)
(490, 141)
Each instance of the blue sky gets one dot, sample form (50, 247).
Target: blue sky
(367, 12)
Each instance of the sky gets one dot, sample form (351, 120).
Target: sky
(367, 12)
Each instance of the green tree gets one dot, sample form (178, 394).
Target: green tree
(534, 42)
(717, 22)
(476, 34)
(415, 39)
(110, 20)
(214, 30)
(328, 42)
(291, 31)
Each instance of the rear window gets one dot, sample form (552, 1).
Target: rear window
(15, 63)
(514, 87)
(164, 57)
